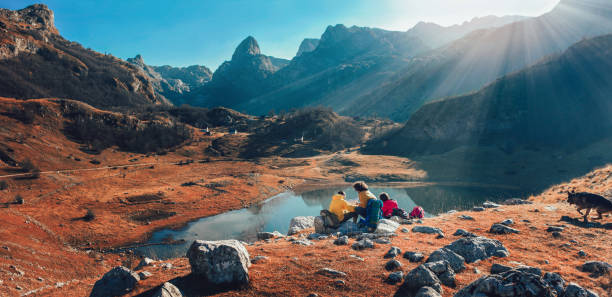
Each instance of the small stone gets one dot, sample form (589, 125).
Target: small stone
(339, 283)
(502, 229)
(477, 208)
(393, 265)
(507, 222)
(40, 279)
(395, 277)
(490, 204)
(465, 217)
(364, 243)
(144, 262)
(414, 256)
(393, 252)
(342, 240)
(144, 274)
(357, 258)
(167, 266)
(332, 273)
(382, 240)
(596, 268)
(556, 234)
(581, 253)
(404, 230)
(554, 229)
(476, 271)
(304, 242)
(259, 259)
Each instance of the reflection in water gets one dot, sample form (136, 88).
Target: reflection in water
(275, 213)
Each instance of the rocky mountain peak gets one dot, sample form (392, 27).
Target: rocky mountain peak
(137, 60)
(248, 47)
(333, 33)
(37, 16)
(307, 45)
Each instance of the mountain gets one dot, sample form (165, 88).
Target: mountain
(307, 45)
(482, 56)
(561, 103)
(35, 62)
(346, 62)
(434, 35)
(278, 63)
(173, 82)
(241, 77)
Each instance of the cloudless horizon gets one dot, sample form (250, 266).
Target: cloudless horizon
(183, 33)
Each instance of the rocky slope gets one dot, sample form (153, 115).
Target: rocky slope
(434, 35)
(560, 102)
(35, 62)
(173, 82)
(482, 56)
(307, 45)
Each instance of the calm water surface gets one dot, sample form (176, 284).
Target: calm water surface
(276, 212)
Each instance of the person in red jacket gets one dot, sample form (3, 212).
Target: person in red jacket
(390, 207)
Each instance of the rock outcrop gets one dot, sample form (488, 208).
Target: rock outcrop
(168, 290)
(478, 248)
(223, 262)
(298, 224)
(117, 282)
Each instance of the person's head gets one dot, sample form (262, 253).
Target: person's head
(384, 196)
(360, 186)
(341, 193)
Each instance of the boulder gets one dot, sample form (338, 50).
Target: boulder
(456, 261)
(498, 268)
(386, 226)
(596, 268)
(420, 277)
(462, 232)
(502, 229)
(414, 256)
(555, 229)
(555, 281)
(427, 230)
(444, 272)
(345, 228)
(298, 224)
(221, 262)
(332, 273)
(509, 283)
(427, 292)
(304, 242)
(574, 290)
(168, 290)
(393, 252)
(382, 240)
(362, 244)
(478, 208)
(516, 201)
(117, 282)
(395, 277)
(393, 265)
(477, 248)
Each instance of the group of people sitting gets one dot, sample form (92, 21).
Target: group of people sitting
(368, 207)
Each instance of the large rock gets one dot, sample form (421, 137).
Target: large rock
(362, 244)
(414, 256)
(509, 283)
(427, 292)
(393, 252)
(502, 229)
(473, 249)
(456, 261)
(386, 226)
(331, 272)
(221, 262)
(555, 281)
(118, 281)
(168, 290)
(444, 272)
(574, 290)
(427, 230)
(421, 277)
(596, 268)
(298, 224)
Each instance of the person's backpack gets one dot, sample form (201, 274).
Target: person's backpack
(417, 212)
(373, 212)
(398, 212)
(329, 219)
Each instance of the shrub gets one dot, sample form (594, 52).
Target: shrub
(89, 216)
(19, 199)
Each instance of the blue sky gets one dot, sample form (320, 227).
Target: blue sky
(181, 33)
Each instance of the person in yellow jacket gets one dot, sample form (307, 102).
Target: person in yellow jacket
(364, 196)
(342, 209)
